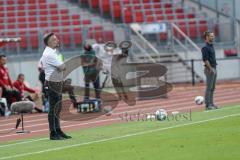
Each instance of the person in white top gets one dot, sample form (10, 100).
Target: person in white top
(112, 64)
(53, 69)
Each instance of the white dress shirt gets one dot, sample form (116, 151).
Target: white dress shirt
(52, 65)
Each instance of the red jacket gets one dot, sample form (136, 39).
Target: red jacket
(5, 79)
(21, 87)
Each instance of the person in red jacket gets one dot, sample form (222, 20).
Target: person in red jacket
(21, 87)
(9, 92)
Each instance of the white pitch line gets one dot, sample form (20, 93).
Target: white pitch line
(116, 138)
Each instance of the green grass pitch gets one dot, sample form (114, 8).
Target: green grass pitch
(209, 135)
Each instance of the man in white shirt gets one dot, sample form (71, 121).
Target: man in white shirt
(53, 69)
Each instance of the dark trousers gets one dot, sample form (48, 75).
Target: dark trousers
(55, 105)
(118, 85)
(210, 86)
(10, 95)
(96, 85)
(70, 90)
(2, 109)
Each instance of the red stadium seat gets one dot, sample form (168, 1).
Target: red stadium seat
(108, 36)
(53, 12)
(11, 20)
(147, 6)
(76, 22)
(203, 26)
(180, 16)
(43, 19)
(10, 14)
(76, 16)
(179, 10)
(169, 11)
(2, 20)
(32, 7)
(20, 8)
(66, 39)
(43, 7)
(158, 12)
(137, 7)
(150, 19)
(33, 25)
(94, 3)
(191, 15)
(54, 23)
(157, 6)
(31, 1)
(64, 11)
(127, 15)
(22, 20)
(10, 8)
(53, 6)
(20, 2)
(116, 9)
(77, 38)
(126, 1)
(23, 43)
(54, 18)
(22, 25)
(43, 24)
(160, 18)
(65, 17)
(1, 26)
(146, 1)
(32, 13)
(149, 12)
(135, 1)
(32, 19)
(21, 13)
(66, 23)
(43, 12)
(168, 5)
(41, 1)
(105, 6)
(86, 22)
(10, 2)
(139, 17)
(163, 36)
(34, 39)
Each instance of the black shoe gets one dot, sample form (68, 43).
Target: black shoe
(215, 106)
(209, 108)
(55, 136)
(63, 135)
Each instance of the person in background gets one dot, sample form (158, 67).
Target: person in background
(22, 88)
(91, 73)
(210, 69)
(8, 90)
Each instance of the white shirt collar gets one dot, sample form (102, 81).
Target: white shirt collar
(50, 49)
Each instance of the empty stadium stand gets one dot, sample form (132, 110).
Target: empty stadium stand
(191, 22)
(29, 19)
